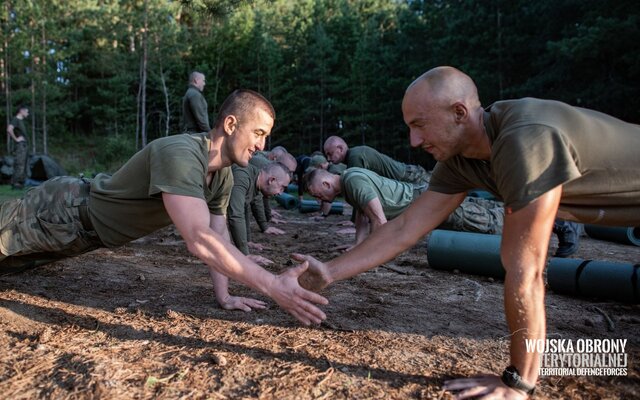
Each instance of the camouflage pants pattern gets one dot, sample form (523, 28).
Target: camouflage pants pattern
(416, 175)
(46, 225)
(478, 215)
(19, 164)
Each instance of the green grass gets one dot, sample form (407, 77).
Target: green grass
(7, 193)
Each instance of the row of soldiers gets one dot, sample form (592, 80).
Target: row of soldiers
(378, 188)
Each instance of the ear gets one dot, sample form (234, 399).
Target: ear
(460, 111)
(326, 185)
(230, 124)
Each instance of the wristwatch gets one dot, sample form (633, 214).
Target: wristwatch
(511, 377)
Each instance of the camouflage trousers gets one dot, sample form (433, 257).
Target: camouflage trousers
(478, 215)
(19, 164)
(50, 222)
(416, 175)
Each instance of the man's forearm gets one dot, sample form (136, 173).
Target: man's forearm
(524, 310)
(220, 285)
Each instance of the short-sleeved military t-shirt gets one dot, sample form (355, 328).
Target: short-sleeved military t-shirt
(540, 144)
(19, 128)
(360, 186)
(244, 192)
(371, 159)
(128, 205)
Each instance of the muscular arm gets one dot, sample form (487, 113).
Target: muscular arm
(525, 242)
(191, 216)
(218, 223)
(375, 218)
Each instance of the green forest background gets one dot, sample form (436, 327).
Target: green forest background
(105, 77)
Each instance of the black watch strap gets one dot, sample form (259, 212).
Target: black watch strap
(511, 377)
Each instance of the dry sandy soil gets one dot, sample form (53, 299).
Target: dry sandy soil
(141, 322)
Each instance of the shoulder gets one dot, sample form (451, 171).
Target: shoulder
(355, 174)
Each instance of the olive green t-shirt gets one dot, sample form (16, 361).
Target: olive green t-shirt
(540, 144)
(371, 159)
(19, 128)
(128, 204)
(360, 186)
(243, 194)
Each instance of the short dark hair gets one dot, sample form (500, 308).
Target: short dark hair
(242, 101)
(22, 107)
(273, 166)
(309, 176)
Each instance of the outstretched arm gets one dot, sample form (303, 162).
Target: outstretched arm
(391, 239)
(191, 216)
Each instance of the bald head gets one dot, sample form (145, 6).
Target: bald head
(335, 149)
(443, 86)
(444, 115)
(197, 79)
(278, 151)
(288, 160)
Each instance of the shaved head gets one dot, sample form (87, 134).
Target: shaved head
(444, 86)
(335, 149)
(288, 160)
(444, 115)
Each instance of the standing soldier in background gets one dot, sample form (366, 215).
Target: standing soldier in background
(18, 133)
(195, 117)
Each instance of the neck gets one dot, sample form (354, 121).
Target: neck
(479, 144)
(337, 184)
(217, 158)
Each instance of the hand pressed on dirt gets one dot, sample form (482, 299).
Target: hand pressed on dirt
(242, 303)
(259, 259)
(274, 231)
(483, 387)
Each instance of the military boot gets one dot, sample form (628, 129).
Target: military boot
(568, 237)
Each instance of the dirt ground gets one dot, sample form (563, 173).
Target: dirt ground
(141, 322)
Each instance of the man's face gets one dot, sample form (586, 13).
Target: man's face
(199, 82)
(275, 184)
(431, 128)
(334, 152)
(249, 135)
(24, 112)
(322, 190)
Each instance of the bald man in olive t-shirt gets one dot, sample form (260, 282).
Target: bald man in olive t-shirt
(543, 158)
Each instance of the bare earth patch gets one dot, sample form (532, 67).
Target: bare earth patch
(141, 322)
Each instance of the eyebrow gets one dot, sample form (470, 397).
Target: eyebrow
(413, 121)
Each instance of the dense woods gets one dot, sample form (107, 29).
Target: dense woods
(118, 69)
